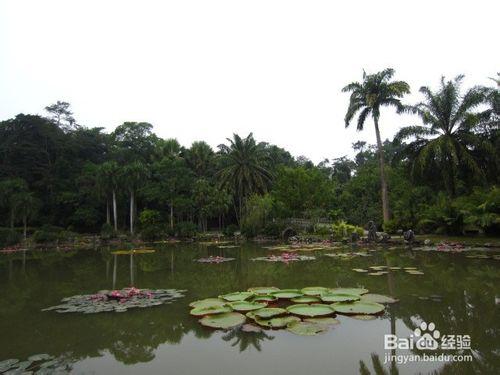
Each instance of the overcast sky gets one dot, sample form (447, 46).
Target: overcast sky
(202, 70)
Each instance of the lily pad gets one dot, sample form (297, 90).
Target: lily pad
(379, 273)
(378, 298)
(136, 251)
(264, 298)
(360, 270)
(200, 311)
(236, 296)
(287, 293)
(263, 290)
(39, 357)
(306, 328)
(223, 321)
(313, 310)
(306, 299)
(208, 302)
(278, 322)
(246, 306)
(251, 328)
(326, 321)
(414, 272)
(313, 290)
(339, 297)
(358, 291)
(359, 307)
(7, 364)
(269, 312)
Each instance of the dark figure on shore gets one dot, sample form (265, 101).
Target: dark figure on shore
(372, 231)
(409, 236)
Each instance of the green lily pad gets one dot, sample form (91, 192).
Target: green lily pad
(414, 272)
(360, 270)
(264, 298)
(326, 321)
(208, 302)
(379, 273)
(236, 296)
(313, 310)
(313, 290)
(263, 289)
(306, 328)
(287, 293)
(306, 299)
(200, 311)
(246, 306)
(339, 297)
(223, 321)
(378, 298)
(358, 291)
(39, 357)
(278, 322)
(269, 312)
(358, 307)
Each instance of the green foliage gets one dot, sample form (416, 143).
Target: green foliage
(230, 229)
(342, 230)
(9, 237)
(257, 211)
(185, 229)
(49, 234)
(151, 225)
(107, 231)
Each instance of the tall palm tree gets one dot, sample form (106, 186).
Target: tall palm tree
(27, 205)
(447, 140)
(243, 169)
(367, 97)
(109, 178)
(134, 175)
(200, 158)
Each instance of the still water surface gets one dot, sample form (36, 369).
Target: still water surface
(167, 340)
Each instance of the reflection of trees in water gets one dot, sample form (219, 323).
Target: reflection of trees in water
(245, 340)
(377, 367)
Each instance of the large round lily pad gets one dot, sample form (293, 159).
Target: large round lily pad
(208, 302)
(340, 297)
(313, 290)
(264, 298)
(323, 320)
(358, 307)
(263, 289)
(306, 299)
(269, 312)
(287, 293)
(246, 305)
(310, 310)
(211, 310)
(236, 296)
(306, 328)
(278, 322)
(358, 291)
(223, 321)
(378, 298)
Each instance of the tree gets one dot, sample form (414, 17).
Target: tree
(27, 205)
(376, 91)
(61, 115)
(9, 190)
(134, 140)
(109, 178)
(446, 141)
(200, 158)
(134, 174)
(243, 169)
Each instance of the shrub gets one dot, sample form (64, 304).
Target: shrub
(342, 230)
(273, 229)
(9, 237)
(48, 233)
(230, 230)
(185, 229)
(151, 226)
(322, 229)
(107, 231)
(391, 226)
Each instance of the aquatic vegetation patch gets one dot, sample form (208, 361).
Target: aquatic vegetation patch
(116, 300)
(133, 251)
(284, 258)
(35, 364)
(214, 259)
(290, 309)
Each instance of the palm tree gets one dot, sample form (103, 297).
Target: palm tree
(26, 206)
(446, 140)
(367, 97)
(109, 179)
(9, 189)
(134, 175)
(243, 168)
(200, 158)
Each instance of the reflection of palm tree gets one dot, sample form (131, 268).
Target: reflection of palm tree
(247, 339)
(377, 367)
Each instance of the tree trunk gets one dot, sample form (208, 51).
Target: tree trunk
(25, 224)
(132, 212)
(11, 218)
(115, 217)
(171, 215)
(383, 180)
(108, 216)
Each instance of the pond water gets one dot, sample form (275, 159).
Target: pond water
(456, 293)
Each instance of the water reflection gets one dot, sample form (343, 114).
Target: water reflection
(33, 280)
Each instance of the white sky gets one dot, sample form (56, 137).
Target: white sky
(201, 70)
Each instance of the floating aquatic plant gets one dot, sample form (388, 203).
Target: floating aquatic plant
(214, 259)
(35, 364)
(116, 300)
(223, 321)
(133, 251)
(306, 328)
(358, 307)
(287, 293)
(246, 305)
(378, 298)
(236, 296)
(306, 299)
(339, 297)
(310, 311)
(284, 258)
(313, 290)
(263, 289)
